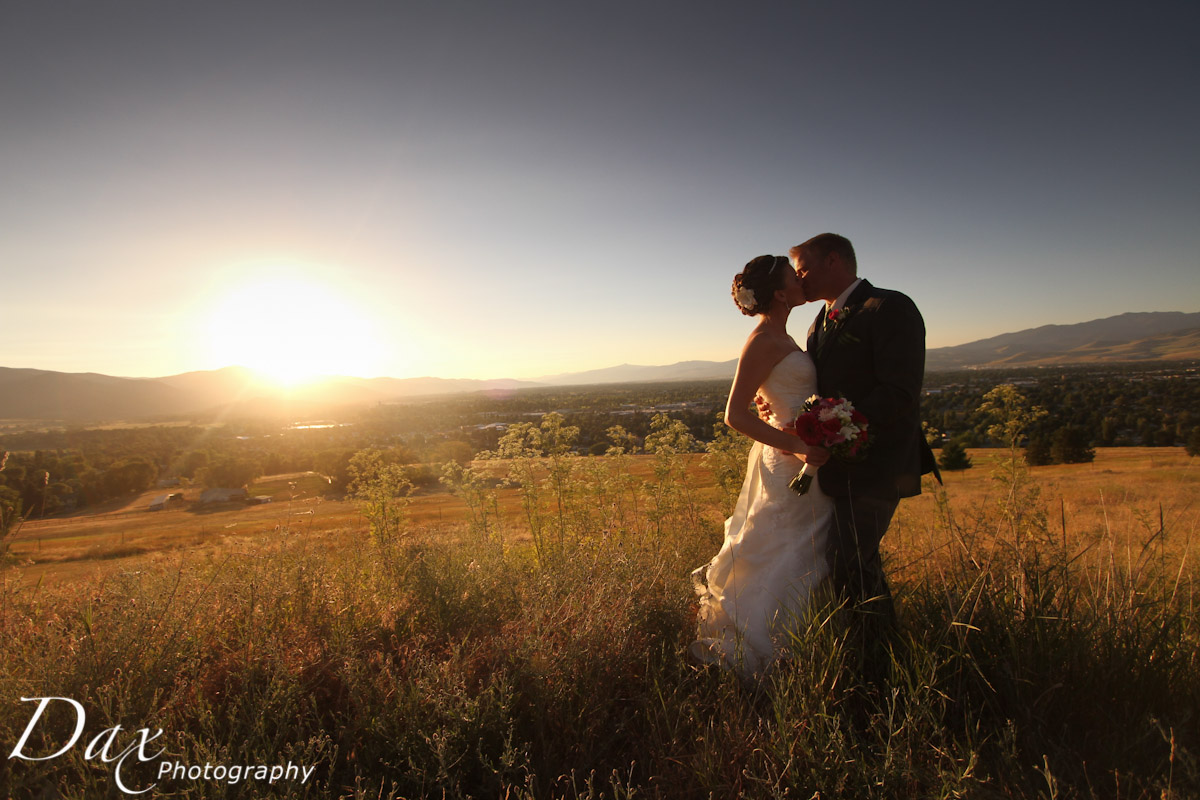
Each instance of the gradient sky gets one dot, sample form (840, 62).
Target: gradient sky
(513, 189)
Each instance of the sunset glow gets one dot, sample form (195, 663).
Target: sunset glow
(520, 190)
(291, 328)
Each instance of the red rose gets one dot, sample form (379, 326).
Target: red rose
(808, 428)
(832, 426)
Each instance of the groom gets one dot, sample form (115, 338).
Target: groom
(869, 347)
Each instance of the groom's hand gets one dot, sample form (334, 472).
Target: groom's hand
(764, 408)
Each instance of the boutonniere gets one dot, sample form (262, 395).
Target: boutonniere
(835, 320)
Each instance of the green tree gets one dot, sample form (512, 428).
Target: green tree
(1193, 442)
(954, 456)
(1108, 431)
(192, 463)
(335, 466)
(1038, 451)
(1146, 433)
(129, 476)
(1164, 436)
(452, 450)
(229, 471)
(1070, 445)
(10, 507)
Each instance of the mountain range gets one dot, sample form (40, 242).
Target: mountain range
(32, 394)
(1139, 336)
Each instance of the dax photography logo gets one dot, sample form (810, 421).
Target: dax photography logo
(106, 748)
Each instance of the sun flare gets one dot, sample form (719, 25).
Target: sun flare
(291, 328)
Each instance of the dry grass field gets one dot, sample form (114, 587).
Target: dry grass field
(1049, 643)
(1126, 498)
(1120, 501)
(124, 535)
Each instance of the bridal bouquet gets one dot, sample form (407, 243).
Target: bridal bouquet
(832, 423)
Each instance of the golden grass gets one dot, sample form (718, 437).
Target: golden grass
(1116, 500)
(441, 665)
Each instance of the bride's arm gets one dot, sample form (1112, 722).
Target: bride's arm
(758, 358)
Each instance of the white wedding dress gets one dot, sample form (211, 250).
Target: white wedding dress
(757, 588)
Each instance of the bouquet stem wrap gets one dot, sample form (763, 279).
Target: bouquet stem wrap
(803, 482)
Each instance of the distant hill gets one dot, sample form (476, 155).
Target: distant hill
(632, 373)
(38, 394)
(1141, 336)
(32, 394)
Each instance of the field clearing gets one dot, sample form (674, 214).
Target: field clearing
(89, 544)
(1117, 503)
(1117, 500)
(125, 535)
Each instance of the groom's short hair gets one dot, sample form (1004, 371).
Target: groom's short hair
(821, 245)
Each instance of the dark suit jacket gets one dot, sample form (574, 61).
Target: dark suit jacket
(874, 355)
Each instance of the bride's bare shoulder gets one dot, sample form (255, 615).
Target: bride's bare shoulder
(763, 351)
(764, 344)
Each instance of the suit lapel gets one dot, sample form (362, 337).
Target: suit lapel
(845, 316)
(814, 332)
(817, 335)
(860, 295)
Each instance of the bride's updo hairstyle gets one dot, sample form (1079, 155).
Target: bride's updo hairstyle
(755, 286)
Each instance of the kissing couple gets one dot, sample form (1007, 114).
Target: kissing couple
(781, 548)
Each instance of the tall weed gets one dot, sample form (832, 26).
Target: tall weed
(456, 664)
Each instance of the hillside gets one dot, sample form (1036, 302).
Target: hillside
(1144, 336)
(32, 394)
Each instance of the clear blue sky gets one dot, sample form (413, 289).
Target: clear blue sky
(512, 189)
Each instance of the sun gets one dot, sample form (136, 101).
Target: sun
(290, 327)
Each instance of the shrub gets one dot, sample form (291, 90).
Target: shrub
(1071, 446)
(1193, 442)
(954, 456)
(1037, 451)
(725, 458)
(382, 489)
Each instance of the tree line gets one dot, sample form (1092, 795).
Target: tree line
(1081, 408)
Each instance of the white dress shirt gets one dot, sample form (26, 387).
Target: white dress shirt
(840, 302)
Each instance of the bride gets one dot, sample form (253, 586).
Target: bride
(758, 586)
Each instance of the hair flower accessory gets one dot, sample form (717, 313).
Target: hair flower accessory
(745, 297)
